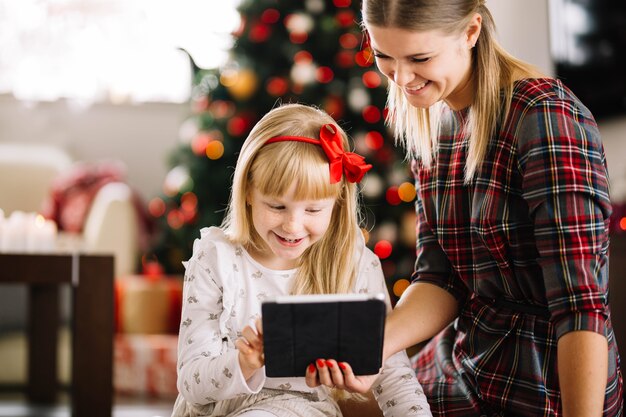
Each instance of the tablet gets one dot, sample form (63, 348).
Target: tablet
(299, 329)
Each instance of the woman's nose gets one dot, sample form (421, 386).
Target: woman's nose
(402, 74)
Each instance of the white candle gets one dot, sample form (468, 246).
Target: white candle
(41, 234)
(15, 232)
(48, 236)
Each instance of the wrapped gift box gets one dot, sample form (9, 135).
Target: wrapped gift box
(148, 304)
(145, 365)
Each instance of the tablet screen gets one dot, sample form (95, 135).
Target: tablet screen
(298, 330)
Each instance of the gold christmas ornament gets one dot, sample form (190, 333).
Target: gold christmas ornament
(241, 84)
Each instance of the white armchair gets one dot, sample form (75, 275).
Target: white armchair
(111, 226)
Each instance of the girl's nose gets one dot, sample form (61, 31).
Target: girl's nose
(292, 224)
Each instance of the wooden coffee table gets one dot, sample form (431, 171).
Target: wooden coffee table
(91, 278)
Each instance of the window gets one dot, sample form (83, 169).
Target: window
(110, 50)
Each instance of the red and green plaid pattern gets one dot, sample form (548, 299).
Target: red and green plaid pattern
(530, 229)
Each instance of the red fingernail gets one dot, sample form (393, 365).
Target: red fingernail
(320, 363)
(329, 364)
(342, 365)
(311, 368)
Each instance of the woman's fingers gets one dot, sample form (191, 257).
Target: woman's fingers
(311, 376)
(335, 373)
(324, 373)
(353, 383)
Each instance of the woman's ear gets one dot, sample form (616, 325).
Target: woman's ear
(473, 30)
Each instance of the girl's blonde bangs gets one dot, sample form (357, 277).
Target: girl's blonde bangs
(277, 166)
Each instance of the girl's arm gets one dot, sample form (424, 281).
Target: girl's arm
(209, 369)
(423, 311)
(582, 363)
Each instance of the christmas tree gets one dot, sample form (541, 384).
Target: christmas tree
(311, 52)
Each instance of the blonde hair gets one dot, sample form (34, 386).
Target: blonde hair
(330, 265)
(493, 69)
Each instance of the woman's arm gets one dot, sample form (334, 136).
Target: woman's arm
(582, 362)
(423, 311)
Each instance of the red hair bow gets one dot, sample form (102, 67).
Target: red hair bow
(341, 162)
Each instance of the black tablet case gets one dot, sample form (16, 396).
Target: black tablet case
(296, 334)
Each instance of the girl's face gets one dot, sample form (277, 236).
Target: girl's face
(428, 66)
(287, 226)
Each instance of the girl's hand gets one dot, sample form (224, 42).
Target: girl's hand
(250, 346)
(337, 375)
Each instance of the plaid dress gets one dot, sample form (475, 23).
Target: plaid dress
(523, 248)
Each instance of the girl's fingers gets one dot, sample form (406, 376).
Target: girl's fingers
(252, 337)
(259, 326)
(243, 346)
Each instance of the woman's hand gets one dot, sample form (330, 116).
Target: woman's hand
(339, 375)
(250, 346)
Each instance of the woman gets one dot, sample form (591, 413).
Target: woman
(511, 277)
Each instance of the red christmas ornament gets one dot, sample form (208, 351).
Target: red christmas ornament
(259, 33)
(298, 38)
(342, 3)
(276, 86)
(270, 16)
(383, 249)
(151, 268)
(189, 202)
(334, 106)
(200, 104)
(222, 109)
(156, 207)
(175, 219)
(364, 58)
(348, 41)
(371, 79)
(302, 57)
(297, 88)
(199, 143)
(371, 114)
(374, 140)
(392, 196)
(236, 126)
(344, 59)
(345, 18)
(324, 75)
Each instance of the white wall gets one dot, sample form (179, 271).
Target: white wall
(139, 135)
(523, 29)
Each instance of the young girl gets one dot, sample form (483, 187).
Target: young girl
(511, 277)
(291, 228)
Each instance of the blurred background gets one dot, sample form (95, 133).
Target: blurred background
(120, 123)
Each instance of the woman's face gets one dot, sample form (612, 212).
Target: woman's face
(427, 66)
